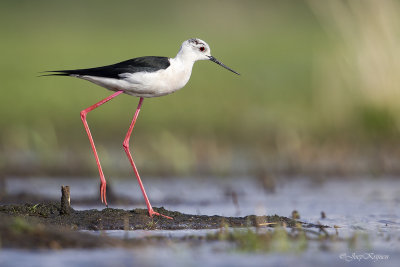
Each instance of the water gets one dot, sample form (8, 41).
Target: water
(364, 206)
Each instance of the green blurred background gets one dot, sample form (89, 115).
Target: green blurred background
(318, 94)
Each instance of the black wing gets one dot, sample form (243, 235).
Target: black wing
(139, 64)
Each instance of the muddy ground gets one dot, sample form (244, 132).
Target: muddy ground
(44, 225)
(30, 221)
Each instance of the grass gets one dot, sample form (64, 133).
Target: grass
(243, 240)
(291, 241)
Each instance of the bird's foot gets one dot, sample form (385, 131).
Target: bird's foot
(152, 213)
(103, 187)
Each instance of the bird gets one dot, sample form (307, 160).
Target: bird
(143, 77)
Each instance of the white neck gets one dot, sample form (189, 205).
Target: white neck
(185, 56)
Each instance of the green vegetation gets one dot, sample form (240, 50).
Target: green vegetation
(287, 240)
(277, 239)
(314, 76)
(19, 226)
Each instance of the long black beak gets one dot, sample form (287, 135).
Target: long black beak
(213, 59)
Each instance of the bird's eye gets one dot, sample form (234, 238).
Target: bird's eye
(202, 49)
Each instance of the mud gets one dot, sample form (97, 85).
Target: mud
(44, 226)
(119, 219)
(18, 232)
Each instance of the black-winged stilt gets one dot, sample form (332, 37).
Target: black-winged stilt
(142, 77)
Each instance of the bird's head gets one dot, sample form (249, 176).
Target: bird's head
(195, 49)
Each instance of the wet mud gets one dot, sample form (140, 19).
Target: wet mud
(45, 225)
(119, 219)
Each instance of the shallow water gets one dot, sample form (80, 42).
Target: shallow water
(363, 206)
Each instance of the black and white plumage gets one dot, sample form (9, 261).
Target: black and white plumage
(147, 64)
(142, 77)
(148, 76)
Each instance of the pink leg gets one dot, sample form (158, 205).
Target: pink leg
(128, 153)
(83, 117)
